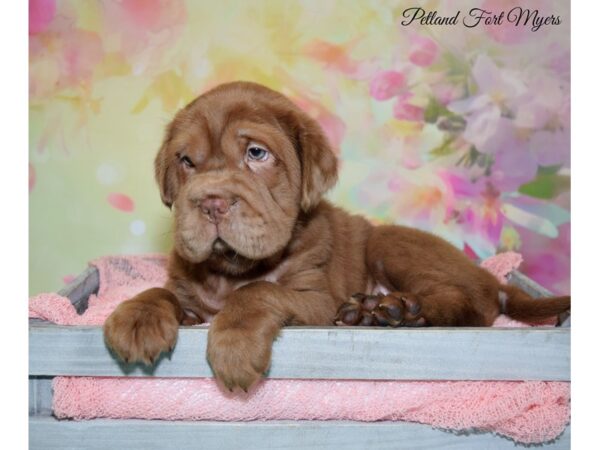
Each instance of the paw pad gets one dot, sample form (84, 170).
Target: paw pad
(397, 309)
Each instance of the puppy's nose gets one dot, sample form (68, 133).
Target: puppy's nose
(215, 208)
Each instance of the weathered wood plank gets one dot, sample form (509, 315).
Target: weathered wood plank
(528, 285)
(88, 282)
(330, 352)
(40, 395)
(47, 433)
(80, 289)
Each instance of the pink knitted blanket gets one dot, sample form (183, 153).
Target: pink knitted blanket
(528, 412)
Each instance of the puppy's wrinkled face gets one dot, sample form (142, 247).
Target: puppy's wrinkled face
(238, 165)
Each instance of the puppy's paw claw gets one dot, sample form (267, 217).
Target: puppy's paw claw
(139, 330)
(238, 358)
(397, 309)
(357, 311)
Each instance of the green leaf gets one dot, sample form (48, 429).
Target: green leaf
(473, 156)
(548, 170)
(444, 149)
(546, 186)
(433, 110)
(456, 65)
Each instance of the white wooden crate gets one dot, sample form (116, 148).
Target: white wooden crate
(299, 352)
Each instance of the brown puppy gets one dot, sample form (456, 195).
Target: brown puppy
(256, 248)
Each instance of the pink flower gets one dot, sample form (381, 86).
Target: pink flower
(551, 147)
(145, 14)
(518, 152)
(547, 260)
(423, 51)
(407, 111)
(507, 32)
(332, 125)
(514, 165)
(446, 92)
(497, 89)
(546, 102)
(334, 128)
(524, 139)
(145, 29)
(475, 205)
(63, 59)
(387, 84)
(81, 52)
(41, 13)
(481, 210)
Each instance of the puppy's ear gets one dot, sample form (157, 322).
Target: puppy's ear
(319, 163)
(165, 171)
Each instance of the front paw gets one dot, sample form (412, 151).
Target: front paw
(238, 356)
(142, 328)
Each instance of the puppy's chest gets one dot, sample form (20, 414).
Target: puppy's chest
(214, 292)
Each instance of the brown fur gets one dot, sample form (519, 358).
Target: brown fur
(274, 253)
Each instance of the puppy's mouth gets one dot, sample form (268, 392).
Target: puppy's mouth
(224, 258)
(222, 248)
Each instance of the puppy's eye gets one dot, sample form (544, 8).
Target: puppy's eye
(186, 161)
(255, 152)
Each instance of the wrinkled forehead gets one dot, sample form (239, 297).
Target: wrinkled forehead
(211, 117)
(216, 125)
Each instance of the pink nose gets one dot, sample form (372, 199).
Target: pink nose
(215, 207)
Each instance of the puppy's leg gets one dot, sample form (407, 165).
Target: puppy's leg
(242, 333)
(443, 306)
(141, 328)
(431, 282)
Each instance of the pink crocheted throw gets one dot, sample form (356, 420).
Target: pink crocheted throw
(528, 412)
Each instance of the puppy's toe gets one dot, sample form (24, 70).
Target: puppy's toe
(399, 309)
(142, 328)
(238, 357)
(357, 311)
(411, 304)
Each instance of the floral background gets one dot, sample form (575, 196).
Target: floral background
(461, 131)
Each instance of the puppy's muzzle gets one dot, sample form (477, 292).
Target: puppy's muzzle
(214, 207)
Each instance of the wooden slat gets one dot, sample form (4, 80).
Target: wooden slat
(80, 289)
(88, 282)
(47, 433)
(528, 285)
(330, 352)
(40, 395)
